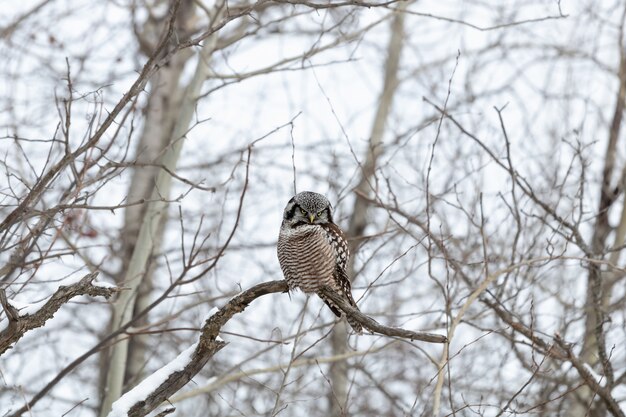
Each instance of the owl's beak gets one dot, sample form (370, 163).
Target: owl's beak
(311, 217)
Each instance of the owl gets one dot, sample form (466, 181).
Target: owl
(313, 251)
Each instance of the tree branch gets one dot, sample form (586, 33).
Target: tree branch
(604, 393)
(19, 325)
(172, 377)
(375, 327)
(149, 68)
(207, 346)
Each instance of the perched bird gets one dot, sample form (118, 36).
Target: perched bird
(313, 251)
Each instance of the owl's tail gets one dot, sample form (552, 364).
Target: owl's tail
(356, 326)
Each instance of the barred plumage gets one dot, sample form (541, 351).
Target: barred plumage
(313, 251)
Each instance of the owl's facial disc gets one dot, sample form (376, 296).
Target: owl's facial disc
(308, 208)
(314, 217)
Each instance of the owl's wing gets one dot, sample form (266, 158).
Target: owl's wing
(344, 283)
(346, 288)
(341, 278)
(338, 241)
(330, 305)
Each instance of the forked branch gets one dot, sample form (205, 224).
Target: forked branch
(18, 324)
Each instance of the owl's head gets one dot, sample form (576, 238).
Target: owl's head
(308, 207)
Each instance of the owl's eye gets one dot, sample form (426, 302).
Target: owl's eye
(319, 214)
(303, 212)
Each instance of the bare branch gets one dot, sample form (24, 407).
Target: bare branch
(589, 379)
(376, 327)
(151, 66)
(208, 343)
(207, 346)
(19, 325)
(331, 5)
(488, 28)
(8, 30)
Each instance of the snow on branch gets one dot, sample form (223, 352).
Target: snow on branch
(162, 384)
(122, 406)
(34, 316)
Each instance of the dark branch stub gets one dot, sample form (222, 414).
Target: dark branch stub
(166, 412)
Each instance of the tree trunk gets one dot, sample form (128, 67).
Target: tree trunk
(598, 282)
(338, 396)
(160, 116)
(157, 184)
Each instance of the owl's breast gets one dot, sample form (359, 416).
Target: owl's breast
(306, 257)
